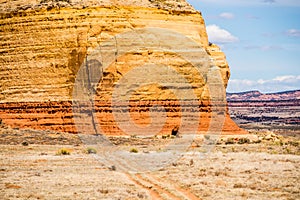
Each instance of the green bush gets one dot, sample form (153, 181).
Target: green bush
(133, 150)
(91, 150)
(293, 143)
(165, 136)
(244, 141)
(207, 137)
(63, 151)
(230, 141)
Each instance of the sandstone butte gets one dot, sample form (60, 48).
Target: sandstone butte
(44, 43)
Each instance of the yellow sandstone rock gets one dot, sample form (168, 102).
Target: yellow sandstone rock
(44, 43)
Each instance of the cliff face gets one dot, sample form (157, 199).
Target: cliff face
(43, 45)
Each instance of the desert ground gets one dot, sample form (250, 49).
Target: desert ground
(50, 165)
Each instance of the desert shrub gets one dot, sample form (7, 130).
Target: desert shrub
(288, 150)
(165, 136)
(238, 185)
(207, 137)
(274, 152)
(173, 137)
(91, 150)
(293, 143)
(244, 141)
(257, 141)
(278, 143)
(219, 142)
(46, 1)
(103, 191)
(133, 150)
(63, 151)
(230, 141)
(112, 168)
(191, 162)
(25, 143)
(217, 173)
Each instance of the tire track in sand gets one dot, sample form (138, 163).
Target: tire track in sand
(176, 191)
(157, 188)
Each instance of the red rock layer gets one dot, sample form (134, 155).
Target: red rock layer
(39, 115)
(58, 116)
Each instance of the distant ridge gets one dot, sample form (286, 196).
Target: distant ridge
(258, 96)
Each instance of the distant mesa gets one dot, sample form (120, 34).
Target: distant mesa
(272, 111)
(258, 96)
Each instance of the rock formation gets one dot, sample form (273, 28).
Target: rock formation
(44, 43)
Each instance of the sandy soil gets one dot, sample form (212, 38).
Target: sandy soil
(266, 167)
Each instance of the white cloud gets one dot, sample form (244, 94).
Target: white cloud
(226, 15)
(287, 79)
(282, 2)
(264, 47)
(293, 33)
(269, 1)
(219, 35)
(277, 84)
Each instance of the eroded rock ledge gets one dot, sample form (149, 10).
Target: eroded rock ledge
(21, 5)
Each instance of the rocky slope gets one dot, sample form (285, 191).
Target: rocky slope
(44, 44)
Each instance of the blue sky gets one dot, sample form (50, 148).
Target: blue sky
(261, 39)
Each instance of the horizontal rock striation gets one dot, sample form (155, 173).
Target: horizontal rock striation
(44, 44)
(58, 116)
